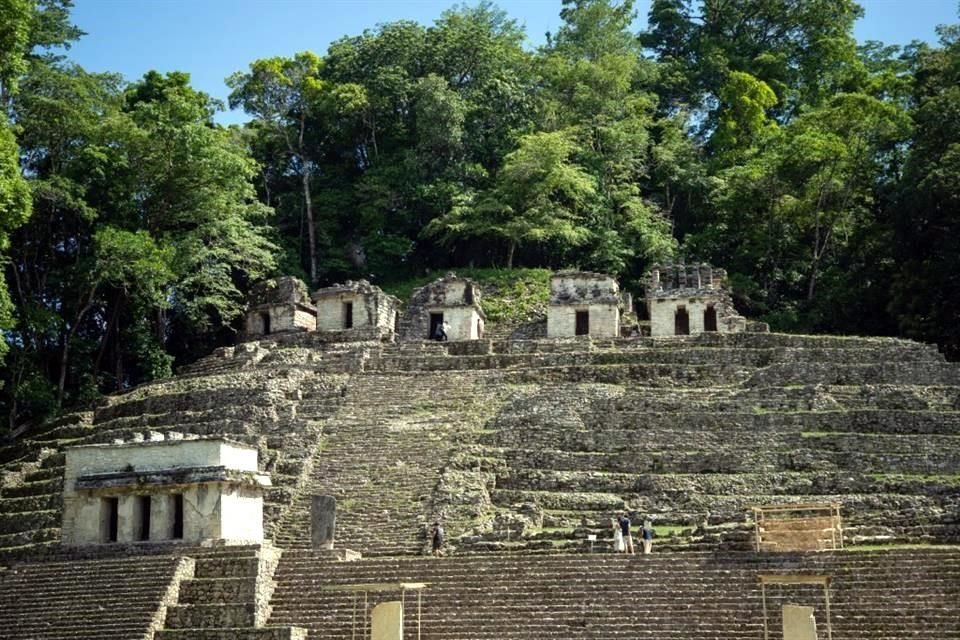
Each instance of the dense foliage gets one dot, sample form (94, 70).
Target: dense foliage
(755, 134)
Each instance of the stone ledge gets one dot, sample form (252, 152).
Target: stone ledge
(171, 477)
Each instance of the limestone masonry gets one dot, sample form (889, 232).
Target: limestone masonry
(183, 509)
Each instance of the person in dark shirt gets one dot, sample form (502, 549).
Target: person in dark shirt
(625, 530)
(436, 539)
(647, 536)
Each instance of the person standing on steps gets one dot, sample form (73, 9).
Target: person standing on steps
(436, 539)
(617, 536)
(647, 535)
(625, 531)
(445, 327)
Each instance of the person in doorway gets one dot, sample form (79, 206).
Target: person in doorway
(445, 327)
(617, 536)
(436, 539)
(646, 534)
(439, 332)
(624, 522)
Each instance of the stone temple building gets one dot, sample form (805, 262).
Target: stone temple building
(279, 305)
(583, 304)
(450, 299)
(164, 489)
(524, 451)
(687, 299)
(355, 305)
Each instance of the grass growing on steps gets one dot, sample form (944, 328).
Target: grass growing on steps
(509, 295)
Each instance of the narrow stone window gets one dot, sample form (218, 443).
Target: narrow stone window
(109, 519)
(583, 323)
(143, 518)
(348, 315)
(177, 516)
(681, 322)
(265, 322)
(710, 319)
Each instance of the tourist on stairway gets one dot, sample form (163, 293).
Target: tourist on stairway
(625, 530)
(647, 535)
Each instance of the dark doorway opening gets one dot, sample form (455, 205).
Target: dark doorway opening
(583, 323)
(112, 508)
(436, 321)
(643, 312)
(348, 315)
(681, 322)
(143, 504)
(177, 516)
(265, 321)
(710, 319)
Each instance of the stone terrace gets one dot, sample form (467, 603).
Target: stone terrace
(525, 446)
(531, 445)
(92, 599)
(668, 596)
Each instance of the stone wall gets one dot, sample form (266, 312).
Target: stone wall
(695, 290)
(595, 294)
(371, 307)
(279, 305)
(604, 320)
(457, 299)
(209, 486)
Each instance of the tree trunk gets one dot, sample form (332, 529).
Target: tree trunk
(65, 354)
(311, 232)
(510, 249)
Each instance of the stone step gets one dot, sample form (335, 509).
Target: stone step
(43, 502)
(263, 633)
(207, 616)
(206, 590)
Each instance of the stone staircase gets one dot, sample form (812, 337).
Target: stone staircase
(89, 599)
(667, 596)
(228, 597)
(256, 407)
(384, 453)
(531, 445)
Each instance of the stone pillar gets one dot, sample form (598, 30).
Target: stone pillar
(323, 521)
(161, 517)
(654, 280)
(387, 621)
(799, 623)
(126, 508)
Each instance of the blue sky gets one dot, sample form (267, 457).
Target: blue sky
(210, 39)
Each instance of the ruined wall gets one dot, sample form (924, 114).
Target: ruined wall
(695, 288)
(595, 293)
(604, 320)
(458, 299)
(371, 307)
(285, 301)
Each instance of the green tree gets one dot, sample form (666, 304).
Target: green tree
(145, 232)
(540, 197)
(288, 95)
(926, 289)
(803, 50)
